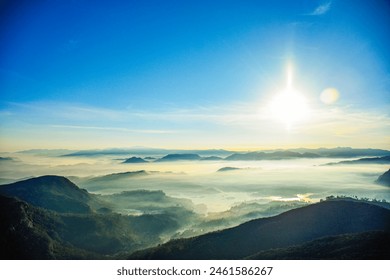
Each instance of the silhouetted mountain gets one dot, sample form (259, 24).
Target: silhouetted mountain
(384, 179)
(339, 152)
(271, 155)
(29, 232)
(95, 153)
(50, 192)
(288, 229)
(373, 160)
(310, 155)
(345, 152)
(113, 180)
(372, 245)
(143, 151)
(6, 159)
(150, 158)
(47, 152)
(179, 157)
(134, 160)
(237, 215)
(56, 219)
(247, 156)
(121, 175)
(211, 158)
(228, 168)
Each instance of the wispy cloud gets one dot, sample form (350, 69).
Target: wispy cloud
(213, 126)
(47, 112)
(119, 129)
(322, 9)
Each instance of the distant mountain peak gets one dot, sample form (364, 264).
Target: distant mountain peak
(178, 157)
(384, 179)
(135, 160)
(228, 168)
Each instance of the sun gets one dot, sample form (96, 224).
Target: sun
(289, 106)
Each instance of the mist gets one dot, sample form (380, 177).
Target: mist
(306, 180)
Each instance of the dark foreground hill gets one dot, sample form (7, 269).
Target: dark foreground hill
(49, 217)
(29, 232)
(292, 228)
(372, 245)
(50, 192)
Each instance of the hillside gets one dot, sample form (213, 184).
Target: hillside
(29, 232)
(278, 155)
(345, 152)
(372, 245)
(50, 192)
(105, 181)
(288, 229)
(139, 151)
(369, 160)
(384, 179)
(179, 157)
(135, 160)
(50, 217)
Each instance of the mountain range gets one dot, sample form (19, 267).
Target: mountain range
(383, 158)
(136, 151)
(217, 154)
(49, 217)
(271, 155)
(368, 160)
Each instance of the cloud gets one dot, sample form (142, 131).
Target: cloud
(243, 124)
(119, 129)
(322, 9)
(58, 113)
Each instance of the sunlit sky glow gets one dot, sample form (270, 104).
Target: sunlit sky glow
(193, 74)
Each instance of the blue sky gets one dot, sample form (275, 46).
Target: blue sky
(182, 74)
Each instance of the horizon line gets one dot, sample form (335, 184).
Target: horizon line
(229, 149)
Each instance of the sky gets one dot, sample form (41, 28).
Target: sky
(194, 74)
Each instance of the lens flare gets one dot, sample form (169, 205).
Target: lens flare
(329, 96)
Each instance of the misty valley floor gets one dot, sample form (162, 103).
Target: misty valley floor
(215, 205)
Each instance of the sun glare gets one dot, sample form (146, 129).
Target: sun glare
(289, 106)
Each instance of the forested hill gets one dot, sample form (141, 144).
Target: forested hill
(328, 218)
